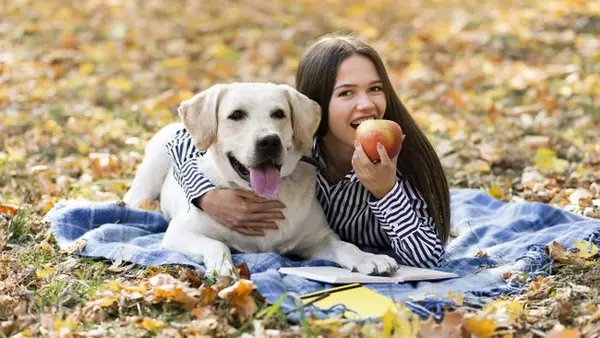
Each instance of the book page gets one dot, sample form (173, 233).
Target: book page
(334, 275)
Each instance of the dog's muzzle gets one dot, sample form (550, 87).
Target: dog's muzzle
(264, 174)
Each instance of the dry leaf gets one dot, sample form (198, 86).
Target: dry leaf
(152, 325)
(559, 331)
(8, 210)
(104, 165)
(401, 321)
(491, 153)
(240, 301)
(45, 272)
(586, 249)
(558, 253)
(479, 327)
(242, 271)
(451, 327)
(495, 192)
(77, 247)
(547, 161)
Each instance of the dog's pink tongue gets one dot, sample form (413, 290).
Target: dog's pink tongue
(265, 181)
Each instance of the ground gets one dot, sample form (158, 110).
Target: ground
(507, 91)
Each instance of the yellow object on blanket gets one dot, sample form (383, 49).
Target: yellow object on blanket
(360, 301)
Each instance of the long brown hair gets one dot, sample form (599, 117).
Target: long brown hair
(418, 162)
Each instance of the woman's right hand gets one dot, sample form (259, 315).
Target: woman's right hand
(241, 210)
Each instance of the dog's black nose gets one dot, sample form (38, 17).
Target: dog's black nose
(270, 144)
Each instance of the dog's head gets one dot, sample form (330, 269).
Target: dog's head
(261, 128)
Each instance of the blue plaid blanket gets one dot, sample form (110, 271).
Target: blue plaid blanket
(491, 238)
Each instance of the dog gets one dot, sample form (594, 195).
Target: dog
(255, 135)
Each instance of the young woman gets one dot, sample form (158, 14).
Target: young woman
(400, 203)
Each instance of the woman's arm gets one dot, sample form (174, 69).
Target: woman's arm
(184, 160)
(402, 214)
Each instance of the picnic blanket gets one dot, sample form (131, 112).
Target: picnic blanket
(509, 237)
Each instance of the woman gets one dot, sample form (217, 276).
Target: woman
(400, 203)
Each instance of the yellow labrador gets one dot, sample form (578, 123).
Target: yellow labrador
(255, 135)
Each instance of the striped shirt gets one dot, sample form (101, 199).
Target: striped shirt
(398, 221)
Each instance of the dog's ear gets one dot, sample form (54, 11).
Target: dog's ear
(306, 115)
(199, 115)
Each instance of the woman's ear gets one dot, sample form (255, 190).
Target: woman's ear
(306, 115)
(199, 115)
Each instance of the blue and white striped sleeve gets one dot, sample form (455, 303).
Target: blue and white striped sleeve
(184, 159)
(402, 214)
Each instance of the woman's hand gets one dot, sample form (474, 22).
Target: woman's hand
(242, 211)
(379, 177)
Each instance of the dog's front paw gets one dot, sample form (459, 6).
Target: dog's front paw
(219, 264)
(381, 265)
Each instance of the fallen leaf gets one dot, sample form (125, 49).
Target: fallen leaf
(458, 297)
(495, 192)
(152, 325)
(491, 153)
(242, 271)
(240, 301)
(513, 307)
(587, 249)
(104, 165)
(559, 331)
(547, 161)
(8, 210)
(451, 327)
(45, 272)
(479, 327)
(558, 253)
(77, 247)
(401, 321)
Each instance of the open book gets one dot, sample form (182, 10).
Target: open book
(333, 275)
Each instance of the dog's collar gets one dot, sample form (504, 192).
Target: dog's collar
(310, 161)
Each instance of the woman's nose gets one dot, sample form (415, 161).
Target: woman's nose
(364, 103)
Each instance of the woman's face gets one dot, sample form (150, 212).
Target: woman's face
(357, 96)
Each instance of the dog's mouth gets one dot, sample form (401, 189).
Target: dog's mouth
(264, 177)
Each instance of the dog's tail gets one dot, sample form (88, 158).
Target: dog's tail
(151, 173)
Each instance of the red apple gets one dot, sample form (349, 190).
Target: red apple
(386, 132)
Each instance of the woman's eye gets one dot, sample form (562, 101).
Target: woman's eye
(237, 115)
(377, 89)
(345, 93)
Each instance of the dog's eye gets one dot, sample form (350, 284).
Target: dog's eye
(278, 114)
(237, 115)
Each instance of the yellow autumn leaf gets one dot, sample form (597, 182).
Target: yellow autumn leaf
(120, 83)
(495, 192)
(479, 327)
(87, 68)
(45, 272)
(64, 326)
(8, 210)
(586, 249)
(152, 325)
(546, 160)
(480, 166)
(184, 95)
(175, 63)
(401, 322)
(513, 308)
(457, 297)
(107, 301)
(221, 51)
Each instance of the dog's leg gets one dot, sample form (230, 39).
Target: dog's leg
(180, 236)
(151, 173)
(349, 256)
